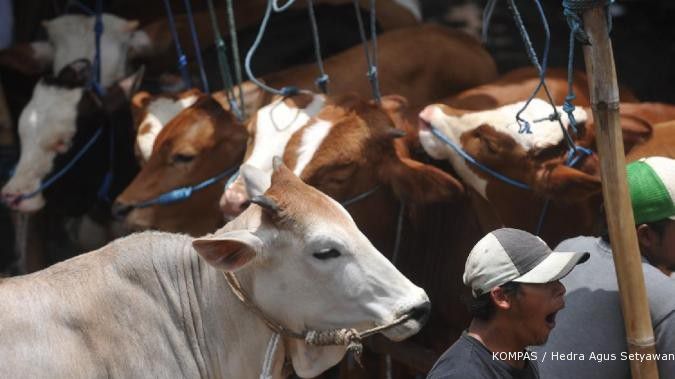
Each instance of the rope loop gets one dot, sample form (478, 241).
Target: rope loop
(322, 83)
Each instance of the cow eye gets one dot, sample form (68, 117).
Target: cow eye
(182, 158)
(327, 254)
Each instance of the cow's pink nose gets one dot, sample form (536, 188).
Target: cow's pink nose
(427, 113)
(234, 201)
(10, 199)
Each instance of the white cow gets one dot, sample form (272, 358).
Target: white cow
(148, 305)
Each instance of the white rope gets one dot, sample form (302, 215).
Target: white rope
(270, 352)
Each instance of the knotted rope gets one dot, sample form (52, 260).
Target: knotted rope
(349, 337)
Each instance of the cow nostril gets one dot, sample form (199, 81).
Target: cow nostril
(120, 210)
(244, 205)
(421, 312)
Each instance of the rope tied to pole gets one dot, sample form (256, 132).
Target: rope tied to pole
(572, 10)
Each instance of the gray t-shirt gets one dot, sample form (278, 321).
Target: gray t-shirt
(467, 358)
(591, 325)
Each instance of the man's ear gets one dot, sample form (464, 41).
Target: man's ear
(229, 251)
(500, 298)
(646, 236)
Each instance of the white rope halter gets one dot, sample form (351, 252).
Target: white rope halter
(331, 337)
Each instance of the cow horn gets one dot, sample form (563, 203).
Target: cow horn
(266, 203)
(277, 162)
(395, 133)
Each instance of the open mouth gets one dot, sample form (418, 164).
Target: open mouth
(550, 319)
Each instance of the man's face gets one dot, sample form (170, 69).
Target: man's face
(533, 311)
(662, 250)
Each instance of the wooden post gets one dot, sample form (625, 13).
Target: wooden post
(605, 102)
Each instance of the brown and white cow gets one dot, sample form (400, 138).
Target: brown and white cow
(536, 159)
(58, 122)
(159, 303)
(202, 142)
(448, 62)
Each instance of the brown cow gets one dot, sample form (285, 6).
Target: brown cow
(205, 140)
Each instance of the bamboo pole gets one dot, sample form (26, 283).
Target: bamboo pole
(605, 103)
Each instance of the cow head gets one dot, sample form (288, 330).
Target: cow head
(72, 37)
(269, 131)
(199, 143)
(494, 139)
(304, 262)
(61, 117)
(152, 112)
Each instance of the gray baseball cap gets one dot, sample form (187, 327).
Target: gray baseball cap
(512, 255)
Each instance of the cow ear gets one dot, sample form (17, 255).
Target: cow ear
(132, 83)
(30, 59)
(420, 183)
(636, 131)
(253, 97)
(565, 183)
(256, 180)
(393, 103)
(229, 251)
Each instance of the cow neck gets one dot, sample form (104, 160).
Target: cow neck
(219, 312)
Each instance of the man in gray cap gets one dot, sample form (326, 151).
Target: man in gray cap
(515, 281)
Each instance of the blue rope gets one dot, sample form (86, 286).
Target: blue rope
(438, 134)
(322, 80)
(195, 43)
(370, 51)
(48, 183)
(360, 197)
(184, 193)
(182, 59)
(235, 54)
(285, 91)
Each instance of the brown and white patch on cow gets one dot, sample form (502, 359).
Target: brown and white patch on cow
(276, 123)
(155, 113)
(544, 132)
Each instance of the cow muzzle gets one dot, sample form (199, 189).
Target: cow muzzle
(417, 317)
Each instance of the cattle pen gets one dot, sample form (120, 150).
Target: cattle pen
(328, 129)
